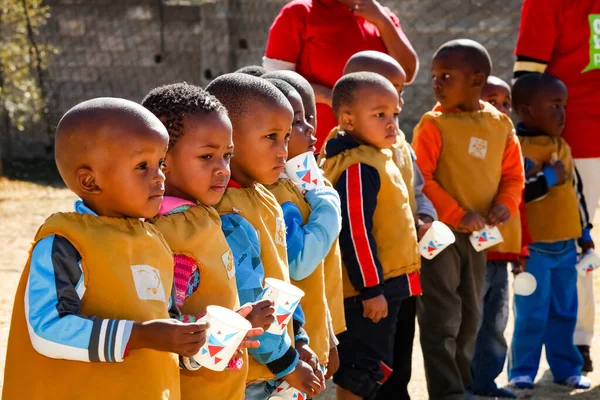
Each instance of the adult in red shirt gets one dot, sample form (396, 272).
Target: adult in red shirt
(562, 38)
(317, 37)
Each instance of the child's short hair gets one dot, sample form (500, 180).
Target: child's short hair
(346, 87)
(297, 81)
(254, 70)
(472, 52)
(528, 86)
(363, 60)
(283, 86)
(170, 103)
(239, 92)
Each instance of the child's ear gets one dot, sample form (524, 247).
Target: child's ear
(347, 121)
(479, 79)
(86, 180)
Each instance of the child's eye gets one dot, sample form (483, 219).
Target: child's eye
(161, 163)
(396, 115)
(288, 136)
(380, 115)
(142, 166)
(445, 76)
(492, 102)
(271, 136)
(206, 156)
(228, 156)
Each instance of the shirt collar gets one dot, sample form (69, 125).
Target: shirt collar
(170, 203)
(81, 208)
(234, 184)
(336, 4)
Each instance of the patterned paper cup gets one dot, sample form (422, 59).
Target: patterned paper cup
(486, 238)
(226, 332)
(588, 262)
(437, 238)
(283, 391)
(304, 172)
(286, 298)
(524, 284)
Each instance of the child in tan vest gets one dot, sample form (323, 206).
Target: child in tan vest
(197, 172)
(557, 218)
(92, 309)
(471, 162)
(261, 117)
(378, 238)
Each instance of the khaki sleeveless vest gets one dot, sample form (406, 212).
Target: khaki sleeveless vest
(314, 302)
(393, 222)
(260, 208)
(554, 217)
(109, 247)
(197, 233)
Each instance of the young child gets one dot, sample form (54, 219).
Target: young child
(378, 238)
(94, 299)
(261, 118)
(491, 347)
(197, 172)
(556, 215)
(313, 223)
(470, 159)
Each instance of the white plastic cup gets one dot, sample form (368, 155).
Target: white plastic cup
(524, 284)
(283, 391)
(435, 240)
(304, 171)
(286, 298)
(588, 262)
(486, 238)
(224, 336)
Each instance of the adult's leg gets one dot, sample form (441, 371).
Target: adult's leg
(396, 387)
(439, 311)
(491, 348)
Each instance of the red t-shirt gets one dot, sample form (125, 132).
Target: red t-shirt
(563, 35)
(319, 36)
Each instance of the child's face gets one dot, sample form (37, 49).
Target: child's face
(498, 96)
(261, 140)
(454, 83)
(302, 138)
(130, 180)
(546, 112)
(197, 166)
(373, 118)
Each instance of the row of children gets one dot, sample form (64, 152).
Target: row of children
(170, 222)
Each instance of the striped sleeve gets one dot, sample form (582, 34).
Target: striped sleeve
(57, 328)
(358, 187)
(584, 216)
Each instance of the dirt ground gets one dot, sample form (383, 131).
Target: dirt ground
(24, 206)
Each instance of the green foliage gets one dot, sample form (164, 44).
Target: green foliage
(22, 60)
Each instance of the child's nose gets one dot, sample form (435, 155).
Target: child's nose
(160, 176)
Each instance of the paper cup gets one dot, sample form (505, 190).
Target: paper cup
(286, 298)
(486, 238)
(226, 332)
(304, 172)
(283, 391)
(436, 239)
(524, 284)
(588, 262)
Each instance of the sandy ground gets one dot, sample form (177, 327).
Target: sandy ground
(24, 206)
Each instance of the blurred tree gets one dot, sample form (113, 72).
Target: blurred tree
(23, 61)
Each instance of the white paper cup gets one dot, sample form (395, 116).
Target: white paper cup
(524, 284)
(226, 332)
(286, 298)
(283, 391)
(486, 238)
(436, 239)
(304, 171)
(588, 262)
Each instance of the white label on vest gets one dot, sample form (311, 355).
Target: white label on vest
(478, 147)
(229, 264)
(280, 233)
(148, 283)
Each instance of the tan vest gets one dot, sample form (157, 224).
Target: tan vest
(554, 217)
(393, 222)
(108, 247)
(334, 289)
(469, 167)
(197, 233)
(260, 208)
(314, 302)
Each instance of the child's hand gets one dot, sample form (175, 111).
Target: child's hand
(169, 335)
(310, 357)
(471, 222)
(334, 362)
(376, 308)
(262, 314)
(370, 10)
(519, 266)
(248, 343)
(498, 215)
(304, 379)
(587, 246)
(423, 223)
(559, 170)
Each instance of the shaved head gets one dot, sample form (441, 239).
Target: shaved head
(374, 61)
